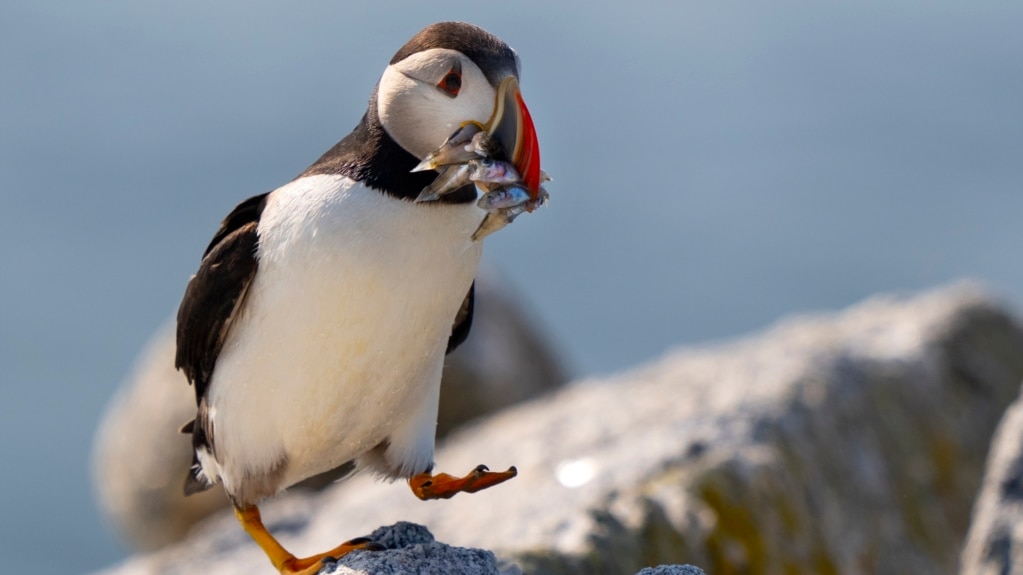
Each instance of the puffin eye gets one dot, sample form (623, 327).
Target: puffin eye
(451, 83)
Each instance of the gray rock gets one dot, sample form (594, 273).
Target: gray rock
(671, 570)
(995, 542)
(850, 443)
(412, 549)
(140, 460)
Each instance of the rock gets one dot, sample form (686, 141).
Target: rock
(506, 360)
(832, 444)
(140, 460)
(409, 544)
(406, 545)
(995, 542)
(671, 570)
(411, 548)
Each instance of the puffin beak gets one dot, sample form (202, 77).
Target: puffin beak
(511, 125)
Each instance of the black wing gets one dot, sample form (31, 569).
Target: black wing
(463, 320)
(216, 292)
(212, 299)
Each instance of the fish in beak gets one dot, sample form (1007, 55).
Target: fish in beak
(508, 133)
(502, 157)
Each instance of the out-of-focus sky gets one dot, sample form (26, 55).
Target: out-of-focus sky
(717, 166)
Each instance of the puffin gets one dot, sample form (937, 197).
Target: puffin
(315, 329)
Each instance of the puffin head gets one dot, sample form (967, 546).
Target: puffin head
(447, 75)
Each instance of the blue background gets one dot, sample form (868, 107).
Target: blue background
(717, 165)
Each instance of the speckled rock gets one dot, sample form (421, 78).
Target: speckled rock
(848, 443)
(140, 460)
(995, 542)
(671, 570)
(412, 549)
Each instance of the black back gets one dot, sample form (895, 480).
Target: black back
(369, 155)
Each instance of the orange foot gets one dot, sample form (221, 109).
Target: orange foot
(284, 561)
(444, 486)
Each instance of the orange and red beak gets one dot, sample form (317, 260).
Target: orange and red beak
(512, 126)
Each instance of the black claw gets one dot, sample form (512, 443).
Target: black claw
(481, 469)
(365, 543)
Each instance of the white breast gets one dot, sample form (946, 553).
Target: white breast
(341, 342)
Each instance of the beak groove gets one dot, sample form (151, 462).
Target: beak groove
(512, 126)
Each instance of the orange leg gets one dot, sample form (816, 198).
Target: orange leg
(444, 486)
(284, 561)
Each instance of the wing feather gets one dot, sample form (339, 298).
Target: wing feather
(214, 298)
(463, 320)
(216, 293)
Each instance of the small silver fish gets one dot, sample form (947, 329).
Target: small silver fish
(499, 217)
(503, 197)
(491, 223)
(448, 180)
(542, 197)
(460, 147)
(485, 146)
(492, 171)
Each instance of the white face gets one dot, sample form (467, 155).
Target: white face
(416, 109)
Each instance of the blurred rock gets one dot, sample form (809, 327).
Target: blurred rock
(506, 360)
(995, 542)
(850, 443)
(140, 460)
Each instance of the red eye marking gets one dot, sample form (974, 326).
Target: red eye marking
(451, 83)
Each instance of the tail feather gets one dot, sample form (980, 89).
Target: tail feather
(196, 481)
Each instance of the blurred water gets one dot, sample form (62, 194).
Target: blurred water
(717, 166)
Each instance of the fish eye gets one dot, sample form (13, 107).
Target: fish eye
(451, 83)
